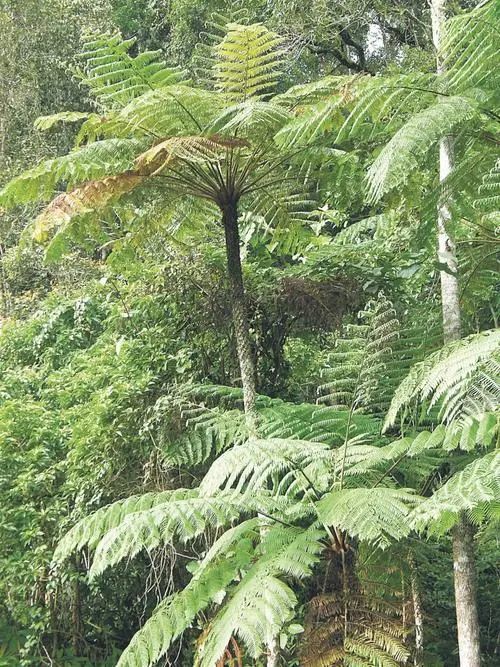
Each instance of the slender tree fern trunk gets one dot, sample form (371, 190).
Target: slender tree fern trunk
(463, 535)
(238, 306)
(245, 356)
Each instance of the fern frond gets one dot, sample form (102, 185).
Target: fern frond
(488, 194)
(414, 140)
(250, 466)
(91, 162)
(91, 529)
(252, 116)
(114, 77)
(475, 490)
(376, 515)
(44, 123)
(470, 48)
(262, 602)
(177, 612)
(247, 61)
(173, 110)
(85, 199)
(452, 375)
(193, 149)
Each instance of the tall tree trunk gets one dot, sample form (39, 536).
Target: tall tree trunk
(418, 614)
(245, 356)
(463, 535)
(240, 319)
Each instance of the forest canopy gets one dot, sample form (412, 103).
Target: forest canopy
(249, 343)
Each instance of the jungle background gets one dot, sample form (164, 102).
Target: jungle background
(105, 348)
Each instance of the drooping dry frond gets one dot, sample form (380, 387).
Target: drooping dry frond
(85, 199)
(194, 149)
(349, 621)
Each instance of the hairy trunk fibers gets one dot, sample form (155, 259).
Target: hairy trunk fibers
(245, 357)
(463, 543)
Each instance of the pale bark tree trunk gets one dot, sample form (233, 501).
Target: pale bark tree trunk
(244, 349)
(418, 614)
(463, 535)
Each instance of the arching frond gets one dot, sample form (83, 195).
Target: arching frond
(174, 110)
(475, 490)
(91, 162)
(358, 363)
(91, 529)
(262, 602)
(251, 465)
(177, 612)
(251, 116)
(115, 77)
(462, 375)
(44, 123)
(193, 149)
(83, 200)
(470, 48)
(414, 140)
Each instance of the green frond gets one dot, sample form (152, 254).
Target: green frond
(252, 116)
(177, 612)
(488, 195)
(282, 420)
(307, 127)
(91, 162)
(357, 365)
(376, 515)
(475, 490)
(181, 518)
(470, 48)
(171, 110)
(247, 61)
(462, 375)
(354, 108)
(209, 434)
(91, 529)
(44, 123)
(114, 77)
(262, 602)
(409, 146)
(251, 465)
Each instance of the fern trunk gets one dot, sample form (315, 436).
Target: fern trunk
(463, 536)
(238, 306)
(244, 349)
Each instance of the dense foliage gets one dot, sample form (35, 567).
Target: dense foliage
(234, 429)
